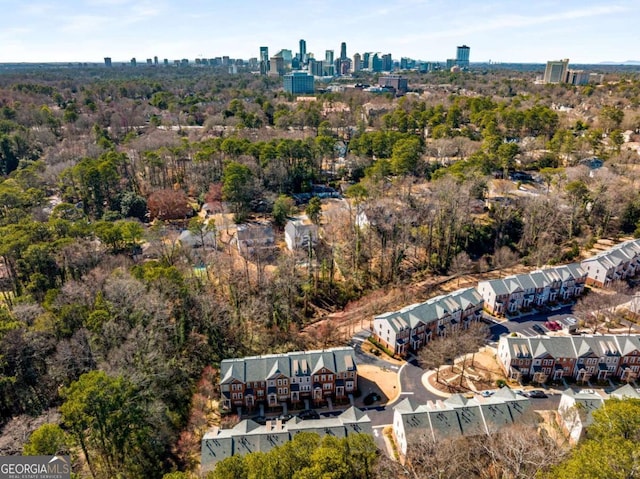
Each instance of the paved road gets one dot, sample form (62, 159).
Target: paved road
(524, 325)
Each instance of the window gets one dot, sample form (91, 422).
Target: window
(330, 377)
(260, 393)
(279, 382)
(327, 386)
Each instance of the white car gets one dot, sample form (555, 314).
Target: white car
(487, 393)
(571, 321)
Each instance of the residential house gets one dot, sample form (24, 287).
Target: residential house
(586, 357)
(514, 293)
(291, 378)
(618, 263)
(300, 233)
(248, 436)
(457, 416)
(575, 411)
(411, 327)
(255, 238)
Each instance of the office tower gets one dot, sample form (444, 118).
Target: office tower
(155, 60)
(303, 52)
(328, 57)
(577, 77)
(556, 71)
(387, 62)
(276, 65)
(166, 62)
(298, 82)
(366, 60)
(225, 61)
(375, 62)
(357, 62)
(107, 61)
(462, 56)
(133, 62)
(343, 51)
(264, 60)
(316, 68)
(399, 84)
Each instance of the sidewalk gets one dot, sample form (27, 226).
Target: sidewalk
(428, 379)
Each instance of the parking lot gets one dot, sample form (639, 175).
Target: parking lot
(533, 324)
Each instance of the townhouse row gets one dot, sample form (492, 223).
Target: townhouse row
(458, 416)
(582, 358)
(411, 327)
(248, 436)
(293, 378)
(525, 291)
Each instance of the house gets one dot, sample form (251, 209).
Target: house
(575, 411)
(300, 233)
(457, 416)
(248, 436)
(413, 326)
(583, 358)
(196, 240)
(620, 262)
(292, 378)
(514, 293)
(255, 238)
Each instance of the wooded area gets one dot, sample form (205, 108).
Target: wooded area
(102, 170)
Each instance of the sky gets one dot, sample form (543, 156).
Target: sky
(527, 31)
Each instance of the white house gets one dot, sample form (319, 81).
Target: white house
(300, 232)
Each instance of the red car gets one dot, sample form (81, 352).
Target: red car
(552, 326)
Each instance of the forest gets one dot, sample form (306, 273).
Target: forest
(111, 327)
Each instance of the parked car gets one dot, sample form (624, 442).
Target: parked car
(370, 399)
(571, 321)
(519, 392)
(285, 417)
(260, 420)
(487, 393)
(536, 394)
(538, 329)
(552, 326)
(309, 414)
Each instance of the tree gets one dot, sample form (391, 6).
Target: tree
(168, 204)
(282, 209)
(405, 156)
(237, 187)
(314, 210)
(106, 417)
(612, 447)
(48, 439)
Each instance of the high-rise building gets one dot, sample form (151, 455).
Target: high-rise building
(556, 71)
(298, 83)
(133, 62)
(328, 57)
(343, 51)
(357, 62)
(303, 51)
(316, 68)
(387, 62)
(375, 62)
(276, 65)
(107, 61)
(462, 56)
(155, 61)
(366, 60)
(264, 60)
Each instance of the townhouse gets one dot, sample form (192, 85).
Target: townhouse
(525, 291)
(411, 327)
(583, 358)
(248, 436)
(292, 378)
(618, 263)
(575, 411)
(458, 416)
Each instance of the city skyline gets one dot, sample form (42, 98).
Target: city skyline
(502, 31)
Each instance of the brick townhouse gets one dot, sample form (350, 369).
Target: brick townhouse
(291, 378)
(618, 263)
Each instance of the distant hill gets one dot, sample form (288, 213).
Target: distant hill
(626, 62)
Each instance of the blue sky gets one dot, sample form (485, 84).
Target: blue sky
(584, 31)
